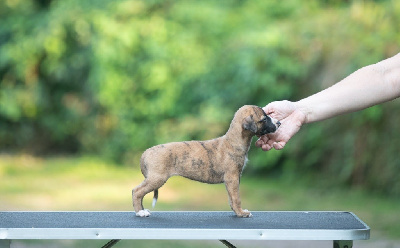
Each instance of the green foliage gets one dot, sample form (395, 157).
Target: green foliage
(116, 77)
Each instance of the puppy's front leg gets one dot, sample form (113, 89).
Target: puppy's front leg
(232, 186)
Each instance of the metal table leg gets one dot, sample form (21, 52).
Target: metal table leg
(227, 243)
(343, 244)
(111, 243)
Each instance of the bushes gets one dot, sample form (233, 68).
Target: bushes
(116, 77)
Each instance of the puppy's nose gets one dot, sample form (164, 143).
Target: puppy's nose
(278, 123)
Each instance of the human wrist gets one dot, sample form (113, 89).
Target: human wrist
(302, 112)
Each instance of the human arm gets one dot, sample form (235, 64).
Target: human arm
(364, 88)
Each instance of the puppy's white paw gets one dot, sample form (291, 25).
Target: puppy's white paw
(248, 214)
(143, 213)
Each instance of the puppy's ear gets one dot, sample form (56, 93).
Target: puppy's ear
(249, 124)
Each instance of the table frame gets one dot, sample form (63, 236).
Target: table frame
(342, 238)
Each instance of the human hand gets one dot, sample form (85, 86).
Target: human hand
(291, 119)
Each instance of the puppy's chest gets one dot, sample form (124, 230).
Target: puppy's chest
(245, 162)
(239, 158)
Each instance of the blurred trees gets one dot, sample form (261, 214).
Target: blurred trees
(116, 77)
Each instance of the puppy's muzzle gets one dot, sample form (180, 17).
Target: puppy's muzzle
(270, 126)
(275, 122)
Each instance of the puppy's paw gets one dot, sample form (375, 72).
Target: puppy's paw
(245, 214)
(143, 213)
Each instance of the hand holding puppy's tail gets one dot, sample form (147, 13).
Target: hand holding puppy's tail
(155, 197)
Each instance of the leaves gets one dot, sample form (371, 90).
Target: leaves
(116, 77)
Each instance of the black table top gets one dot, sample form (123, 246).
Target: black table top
(203, 220)
(181, 225)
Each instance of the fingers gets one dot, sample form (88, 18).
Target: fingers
(276, 145)
(266, 147)
(262, 142)
(259, 142)
(279, 145)
(267, 143)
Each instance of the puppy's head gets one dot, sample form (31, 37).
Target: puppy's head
(257, 122)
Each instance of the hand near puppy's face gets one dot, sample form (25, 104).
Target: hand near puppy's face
(291, 119)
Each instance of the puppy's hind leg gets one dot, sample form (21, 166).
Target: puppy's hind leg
(136, 199)
(148, 185)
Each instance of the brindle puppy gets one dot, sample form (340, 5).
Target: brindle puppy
(219, 160)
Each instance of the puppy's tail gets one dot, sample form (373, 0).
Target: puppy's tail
(155, 197)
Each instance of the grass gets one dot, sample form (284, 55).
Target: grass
(87, 183)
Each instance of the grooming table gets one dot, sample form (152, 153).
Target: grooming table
(340, 227)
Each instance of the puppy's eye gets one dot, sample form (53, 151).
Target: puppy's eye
(263, 119)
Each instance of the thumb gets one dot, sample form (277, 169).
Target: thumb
(268, 108)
